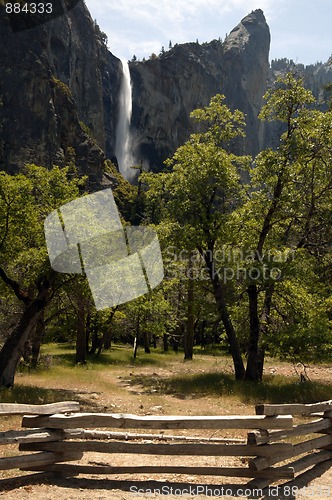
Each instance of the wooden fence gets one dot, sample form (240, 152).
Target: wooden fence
(277, 448)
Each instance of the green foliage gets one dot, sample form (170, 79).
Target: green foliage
(286, 99)
(64, 89)
(222, 125)
(25, 201)
(289, 212)
(125, 194)
(278, 225)
(202, 188)
(280, 220)
(87, 130)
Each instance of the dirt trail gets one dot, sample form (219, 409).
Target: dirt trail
(132, 397)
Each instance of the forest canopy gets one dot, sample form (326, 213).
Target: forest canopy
(246, 244)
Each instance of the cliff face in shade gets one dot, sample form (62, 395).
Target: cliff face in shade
(166, 89)
(60, 85)
(246, 66)
(58, 88)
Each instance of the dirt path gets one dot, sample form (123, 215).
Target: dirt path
(126, 394)
(315, 484)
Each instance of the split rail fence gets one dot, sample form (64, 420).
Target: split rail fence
(56, 436)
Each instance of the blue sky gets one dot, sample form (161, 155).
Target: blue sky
(300, 29)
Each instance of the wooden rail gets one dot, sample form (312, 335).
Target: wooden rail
(17, 409)
(124, 421)
(293, 409)
(56, 438)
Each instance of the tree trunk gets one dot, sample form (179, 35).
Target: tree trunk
(37, 340)
(188, 339)
(264, 326)
(260, 361)
(202, 334)
(146, 342)
(258, 327)
(87, 331)
(253, 370)
(107, 337)
(95, 343)
(81, 335)
(220, 298)
(165, 342)
(230, 332)
(12, 349)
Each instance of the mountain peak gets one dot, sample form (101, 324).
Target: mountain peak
(257, 14)
(254, 27)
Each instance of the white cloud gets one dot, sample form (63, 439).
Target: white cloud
(136, 25)
(141, 26)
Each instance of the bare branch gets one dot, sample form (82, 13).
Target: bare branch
(20, 294)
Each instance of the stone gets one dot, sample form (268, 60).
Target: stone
(58, 90)
(166, 89)
(60, 84)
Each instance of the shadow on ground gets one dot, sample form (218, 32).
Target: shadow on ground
(273, 389)
(291, 488)
(163, 488)
(115, 357)
(25, 394)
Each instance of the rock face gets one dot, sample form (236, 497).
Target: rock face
(246, 69)
(58, 89)
(167, 88)
(60, 86)
(315, 76)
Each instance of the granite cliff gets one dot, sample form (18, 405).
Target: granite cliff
(58, 90)
(60, 86)
(167, 88)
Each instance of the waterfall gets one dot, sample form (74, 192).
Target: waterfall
(123, 149)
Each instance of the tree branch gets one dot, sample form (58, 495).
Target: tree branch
(20, 294)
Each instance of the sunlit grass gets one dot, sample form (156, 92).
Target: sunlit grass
(26, 394)
(64, 354)
(273, 389)
(57, 377)
(210, 374)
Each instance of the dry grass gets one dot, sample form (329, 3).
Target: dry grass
(155, 384)
(205, 385)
